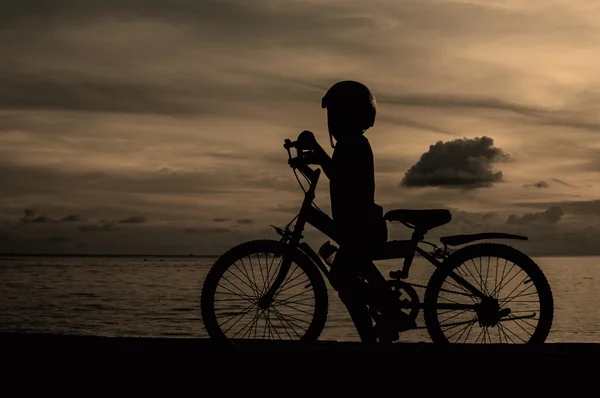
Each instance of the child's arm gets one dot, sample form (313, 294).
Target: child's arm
(318, 155)
(323, 160)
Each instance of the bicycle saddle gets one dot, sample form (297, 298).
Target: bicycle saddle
(422, 219)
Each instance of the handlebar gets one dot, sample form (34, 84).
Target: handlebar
(298, 161)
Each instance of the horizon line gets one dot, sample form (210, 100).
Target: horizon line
(12, 254)
(102, 255)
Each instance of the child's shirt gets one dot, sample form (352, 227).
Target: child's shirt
(352, 191)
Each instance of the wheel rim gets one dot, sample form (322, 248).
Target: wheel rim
(510, 313)
(238, 312)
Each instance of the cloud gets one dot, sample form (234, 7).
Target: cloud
(220, 219)
(31, 216)
(59, 239)
(550, 216)
(245, 221)
(103, 226)
(208, 231)
(73, 218)
(459, 163)
(488, 215)
(539, 184)
(133, 220)
(30, 213)
(562, 182)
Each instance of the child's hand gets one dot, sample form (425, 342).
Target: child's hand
(306, 140)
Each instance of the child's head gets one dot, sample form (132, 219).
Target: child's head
(351, 109)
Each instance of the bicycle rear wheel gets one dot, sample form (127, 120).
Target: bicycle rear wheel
(232, 289)
(518, 307)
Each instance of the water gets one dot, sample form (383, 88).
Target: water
(160, 297)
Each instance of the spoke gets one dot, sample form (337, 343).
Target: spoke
(461, 331)
(513, 277)
(471, 328)
(472, 276)
(501, 279)
(496, 277)
(289, 280)
(519, 284)
(454, 316)
(504, 301)
(293, 286)
(487, 273)
(256, 324)
(513, 333)
(253, 276)
(291, 324)
(298, 294)
(499, 335)
(479, 273)
(235, 323)
(299, 301)
(274, 328)
(519, 325)
(297, 309)
(481, 276)
(466, 292)
(251, 323)
(453, 325)
(232, 284)
(261, 273)
(450, 300)
(268, 268)
(247, 274)
(244, 282)
(506, 336)
(482, 329)
(292, 317)
(274, 274)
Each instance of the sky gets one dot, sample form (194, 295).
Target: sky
(157, 127)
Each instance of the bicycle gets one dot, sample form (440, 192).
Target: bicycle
(261, 294)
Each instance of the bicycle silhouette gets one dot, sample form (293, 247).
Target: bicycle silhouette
(251, 299)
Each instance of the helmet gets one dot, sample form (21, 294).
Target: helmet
(353, 98)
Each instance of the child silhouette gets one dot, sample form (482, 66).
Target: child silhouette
(360, 227)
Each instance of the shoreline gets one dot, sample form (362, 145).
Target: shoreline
(314, 363)
(181, 345)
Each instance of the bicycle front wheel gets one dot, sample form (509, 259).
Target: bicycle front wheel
(517, 307)
(237, 281)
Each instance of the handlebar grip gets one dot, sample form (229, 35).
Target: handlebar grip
(289, 144)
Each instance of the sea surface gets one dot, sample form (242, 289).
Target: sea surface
(160, 297)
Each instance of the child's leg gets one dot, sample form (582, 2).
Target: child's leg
(351, 292)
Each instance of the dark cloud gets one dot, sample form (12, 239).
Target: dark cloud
(47, 180)
(245, 221)
(550, 216)
(402, 121)
(42, 219)
(459, 163)
(31, 216)
(220, 219)
(489, 215)
(59, 239)
(74, 218)
(539, 184)
(562, 182)
(459, 101)
(29, 213)
(133, 220)
(208, 230)
(103, 226)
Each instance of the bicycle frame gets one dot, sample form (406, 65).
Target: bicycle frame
(392, 249)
